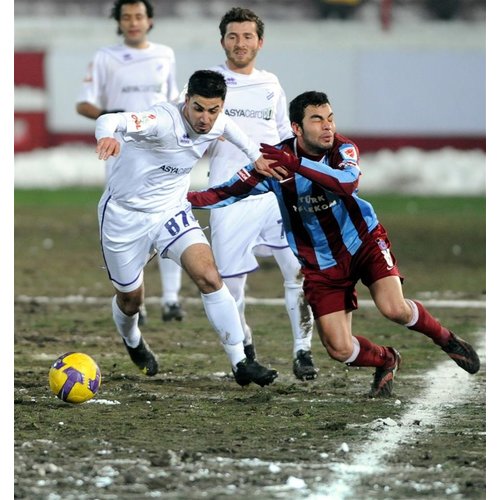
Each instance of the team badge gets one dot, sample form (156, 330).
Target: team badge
(243, 174)
(139, 121)
(385, 252)
(349, 153)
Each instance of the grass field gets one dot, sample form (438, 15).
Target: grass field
(191, 432)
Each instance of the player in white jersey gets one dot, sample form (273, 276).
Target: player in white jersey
(129, 76)
(144, 210)
(257, 103)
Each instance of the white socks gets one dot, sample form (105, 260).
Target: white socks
(171, 278)
(126, 325)
(355, 350)
(300, 315)
(299, 311)
(414, 313)
(222, 314)
(236, 287)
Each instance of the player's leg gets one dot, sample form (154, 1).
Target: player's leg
(171, 280)
(354, 350)
(234, 231)
(236, 287)
(194, 254)
(388, 296)
(125, 306)
(332, 297)
(222, 313)
(380, 273)
(126, 249)
(197, 260)
(299, 313)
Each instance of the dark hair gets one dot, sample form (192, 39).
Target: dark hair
(207, 83)
(116, 10)
(299, 104)
(240, 15)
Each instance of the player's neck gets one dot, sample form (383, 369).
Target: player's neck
(245, 70)
(140, 45)
(303, 151)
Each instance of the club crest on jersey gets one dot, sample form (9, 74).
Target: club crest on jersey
(136, 121)
(385, 252)
(139, 120)
(349, 153)
(243, 174)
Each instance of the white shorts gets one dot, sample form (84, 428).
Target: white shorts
(130, 238)
(243, 230)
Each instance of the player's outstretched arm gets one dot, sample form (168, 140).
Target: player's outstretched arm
(341, 181)
(245, 182)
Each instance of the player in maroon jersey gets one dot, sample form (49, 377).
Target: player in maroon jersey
(338, 239)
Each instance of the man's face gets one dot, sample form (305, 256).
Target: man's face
(201, 112)
(134, 24)
(241, 44)
(317, 132)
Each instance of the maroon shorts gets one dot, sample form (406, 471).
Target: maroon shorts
(333, 289)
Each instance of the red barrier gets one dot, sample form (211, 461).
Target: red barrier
(30, 130)
(29, 69)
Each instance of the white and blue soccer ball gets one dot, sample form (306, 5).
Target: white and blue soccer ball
(74, 377)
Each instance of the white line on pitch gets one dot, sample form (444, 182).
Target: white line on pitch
(448, 386)
(81, 299)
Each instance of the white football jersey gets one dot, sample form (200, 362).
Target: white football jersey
(125, 78)
(257, 103)
(159, 149)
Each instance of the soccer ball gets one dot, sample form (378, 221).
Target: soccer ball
(74, 377)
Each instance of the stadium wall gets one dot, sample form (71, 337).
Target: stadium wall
(420, 85)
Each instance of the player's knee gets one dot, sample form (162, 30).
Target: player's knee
(209, 281)
(129, 303)
(292, 274)
(397, 312)
(338, 353)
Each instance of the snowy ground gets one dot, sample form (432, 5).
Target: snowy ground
(409, 170)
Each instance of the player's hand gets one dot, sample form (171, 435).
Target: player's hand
(280, 158)
(106, 147)
(263, 168)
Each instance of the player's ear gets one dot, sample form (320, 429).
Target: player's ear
(296, 129)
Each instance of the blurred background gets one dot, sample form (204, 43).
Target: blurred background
(406, 78)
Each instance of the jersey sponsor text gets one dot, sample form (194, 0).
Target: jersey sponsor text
(313, 204)
(264, 114)
(169, 169)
